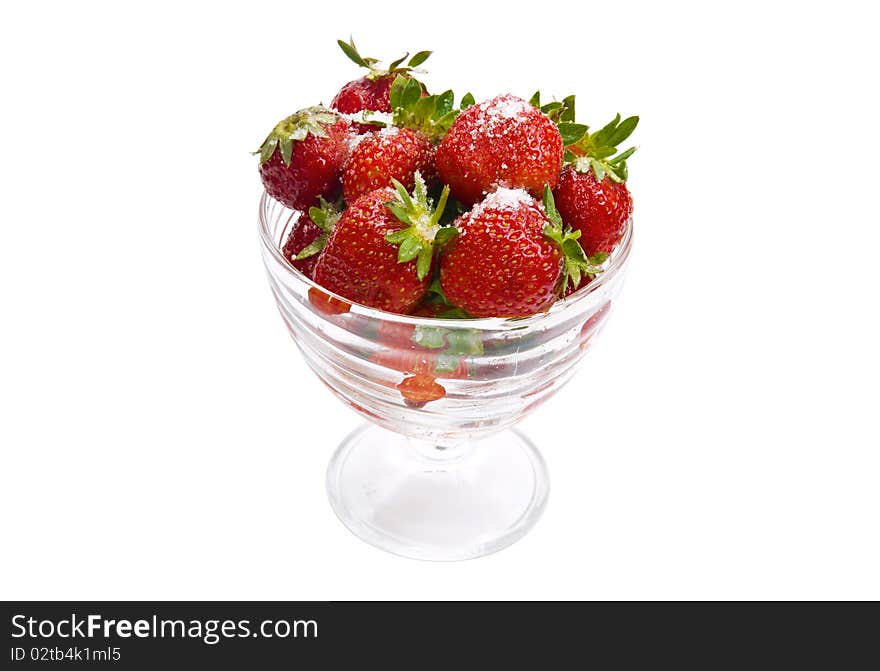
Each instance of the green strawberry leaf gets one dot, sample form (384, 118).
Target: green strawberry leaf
(437, 289)
(351, 51)
(412, 92)
(466, 101)
(623, 130)
(571, 132)
(423, 262)
(394, 65)
(419, 58)
(445, 234)
(445, 101)
(409, 249)
(550, 208)
(396, 237)
(568, 111)
(313, 247)
(286, 147)
(622, 156)
(558, 112)
(268, 148)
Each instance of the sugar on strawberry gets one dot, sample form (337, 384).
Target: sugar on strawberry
(502, 142)
(512, 256)
(391, 153)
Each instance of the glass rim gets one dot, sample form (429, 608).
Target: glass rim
(616, 262)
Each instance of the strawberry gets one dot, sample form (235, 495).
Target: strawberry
(419, 390)
(592, 196)
(400, 151)
(302, 157)
(598, 209)
(391, 153)
(512, 257)
(372, 92)
(430, 353)
(327, 304)
(501, 142)
(310, 235)
(421, 362)
(381, 250)
(304, 234)
(364, 94)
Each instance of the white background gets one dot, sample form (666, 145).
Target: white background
(162, 438)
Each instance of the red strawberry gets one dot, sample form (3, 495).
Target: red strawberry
(503, 142)
(371, 92)
(302, 157)
(421, 362)
(304, 234)
(512, 257)
(431, 353)
(364, 94)
(327, 304)
(598, 209)
(391, 153)
(400, 151)
(310, 235)
(421, 389)
(591, 195)
(381, 250)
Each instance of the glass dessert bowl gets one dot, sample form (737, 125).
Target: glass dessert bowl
(439, 472)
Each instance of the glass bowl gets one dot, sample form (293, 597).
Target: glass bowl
(438, 472)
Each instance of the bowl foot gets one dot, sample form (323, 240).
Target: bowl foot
(437, 503)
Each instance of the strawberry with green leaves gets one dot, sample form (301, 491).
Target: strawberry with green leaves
(428, 354)
(310, 235)
(591, 195)
(372, 92)
(381, 250)
(502, 142)
(399, 151)
(301, 159)
(512, 258)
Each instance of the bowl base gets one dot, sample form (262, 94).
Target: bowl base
(436, 503)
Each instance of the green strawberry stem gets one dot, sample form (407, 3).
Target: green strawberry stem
(350, 50)
(431, 115)
(295, 128)
(598, 151)
(560, 112)
(423, 233)
(575, 260)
